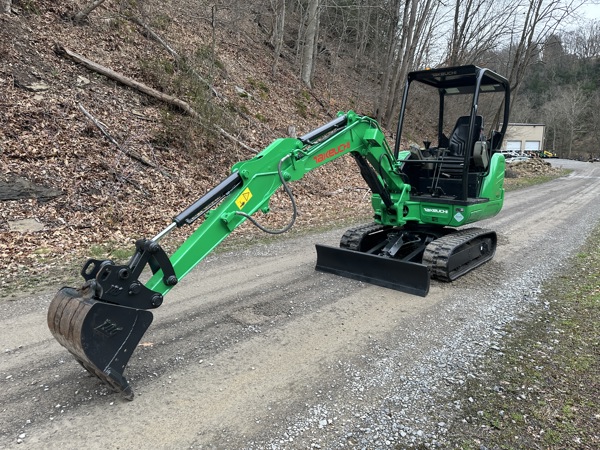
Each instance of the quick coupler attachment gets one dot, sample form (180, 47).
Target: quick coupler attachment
(101, 336)
(119, 284)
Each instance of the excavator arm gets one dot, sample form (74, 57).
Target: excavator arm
(102, 322)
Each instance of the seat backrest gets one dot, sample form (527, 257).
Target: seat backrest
(460, 135)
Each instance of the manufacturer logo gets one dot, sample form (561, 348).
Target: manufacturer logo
(108, 328)
(435, 210)
(321, 157)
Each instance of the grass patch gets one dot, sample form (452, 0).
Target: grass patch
(543, 391)
(513, 184)
(112, 251)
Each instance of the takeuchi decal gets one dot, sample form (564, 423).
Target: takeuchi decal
(321, 157)
(435, 210)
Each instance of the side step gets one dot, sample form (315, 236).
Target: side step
(409, 277)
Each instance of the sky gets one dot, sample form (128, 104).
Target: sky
(590, 11)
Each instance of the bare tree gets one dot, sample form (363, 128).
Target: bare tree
(308, 60)
(565, 115)
(584, 41)
(83, 13)
(278, 8)
(540, 19)
(594, 123)
(409, 26)
(477, 27)
(575, 104)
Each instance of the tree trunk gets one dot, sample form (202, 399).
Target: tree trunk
(278, 31)
(308, 60)
(81, 15)
(315, 49)
(404, 60)
(540, 20)
(6, 4)
(388, 62)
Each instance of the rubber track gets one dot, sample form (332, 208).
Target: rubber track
(438, 253)
(354, 236)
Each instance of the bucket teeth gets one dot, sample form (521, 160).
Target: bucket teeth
(100, 335)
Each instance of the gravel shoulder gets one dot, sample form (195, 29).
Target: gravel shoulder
(255, 349)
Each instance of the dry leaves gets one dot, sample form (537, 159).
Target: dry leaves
(109, 199)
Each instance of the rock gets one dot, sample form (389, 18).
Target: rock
(532, 167)
(82, 81)
(29, 82)
(13, 187)
(36, 87)
(242, 92)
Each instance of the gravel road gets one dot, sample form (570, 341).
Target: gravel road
(254, 349)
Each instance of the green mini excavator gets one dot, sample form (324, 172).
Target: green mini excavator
(422, 197)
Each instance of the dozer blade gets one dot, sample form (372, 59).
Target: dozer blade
(409, 277)
(100, 335)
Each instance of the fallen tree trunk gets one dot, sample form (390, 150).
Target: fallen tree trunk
(59, 49)
(184, 106)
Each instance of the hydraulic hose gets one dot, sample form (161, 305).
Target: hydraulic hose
(288, 191)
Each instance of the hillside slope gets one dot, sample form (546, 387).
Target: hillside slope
(107, 199)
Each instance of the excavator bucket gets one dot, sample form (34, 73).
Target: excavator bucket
(101, 336)
(404, 276)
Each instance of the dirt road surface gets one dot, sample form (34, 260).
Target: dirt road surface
(254, 349)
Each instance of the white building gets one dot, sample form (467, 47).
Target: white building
(524, 137)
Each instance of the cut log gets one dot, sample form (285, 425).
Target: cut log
(174, 101)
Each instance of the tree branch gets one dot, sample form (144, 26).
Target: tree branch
(78, 18)
(127, 152)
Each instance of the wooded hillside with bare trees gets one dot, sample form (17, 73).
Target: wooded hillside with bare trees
(117, 106)
(520, 39)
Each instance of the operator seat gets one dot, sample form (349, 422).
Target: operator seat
(460, 135)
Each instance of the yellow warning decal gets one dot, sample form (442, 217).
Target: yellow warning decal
(243, 198)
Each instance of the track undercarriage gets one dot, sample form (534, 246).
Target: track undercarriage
(406, 258)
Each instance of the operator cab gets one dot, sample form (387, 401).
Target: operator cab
(467, 110)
